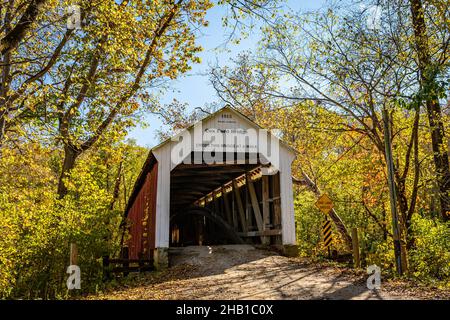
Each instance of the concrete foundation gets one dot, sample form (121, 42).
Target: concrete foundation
(161, 258)
(290, 250)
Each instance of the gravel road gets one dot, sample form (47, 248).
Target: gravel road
(243, 272)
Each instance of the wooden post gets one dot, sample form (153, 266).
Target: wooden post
(248, 207)
(256, 211)
(200, 230)
(237, 196)
(212, 226)
(355, 242)
(276, 200)
(105, 261)
(106, 271)
(265, 201)
(233, 210)
(126, 264)
(227, 206)
(73, 254)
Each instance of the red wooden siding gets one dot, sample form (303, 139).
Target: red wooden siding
(142, 218)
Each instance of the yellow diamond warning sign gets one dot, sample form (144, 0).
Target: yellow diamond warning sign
(324, 203)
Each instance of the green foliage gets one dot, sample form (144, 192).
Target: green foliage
(308, 221)
(75, 94)
(430, 257)
(382, 254)
(37, 227)
(322, 78)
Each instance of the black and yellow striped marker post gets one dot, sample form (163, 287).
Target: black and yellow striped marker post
(326, 233)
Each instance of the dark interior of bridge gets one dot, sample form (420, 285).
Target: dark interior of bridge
(225, 202)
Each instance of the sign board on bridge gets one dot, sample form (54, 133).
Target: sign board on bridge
(324, 203)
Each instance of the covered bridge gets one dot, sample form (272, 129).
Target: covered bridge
(224, 180)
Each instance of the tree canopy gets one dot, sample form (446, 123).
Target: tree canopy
(337, 82)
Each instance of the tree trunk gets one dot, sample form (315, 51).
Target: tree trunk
(428, 80)
(2, 131)
(393, 192)
(440, 155)
(70, 155)
(4, 84)
(12, 38)
(403, 223)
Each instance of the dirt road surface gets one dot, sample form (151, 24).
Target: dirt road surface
(243, 272)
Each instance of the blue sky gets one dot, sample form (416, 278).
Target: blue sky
(193, 87)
